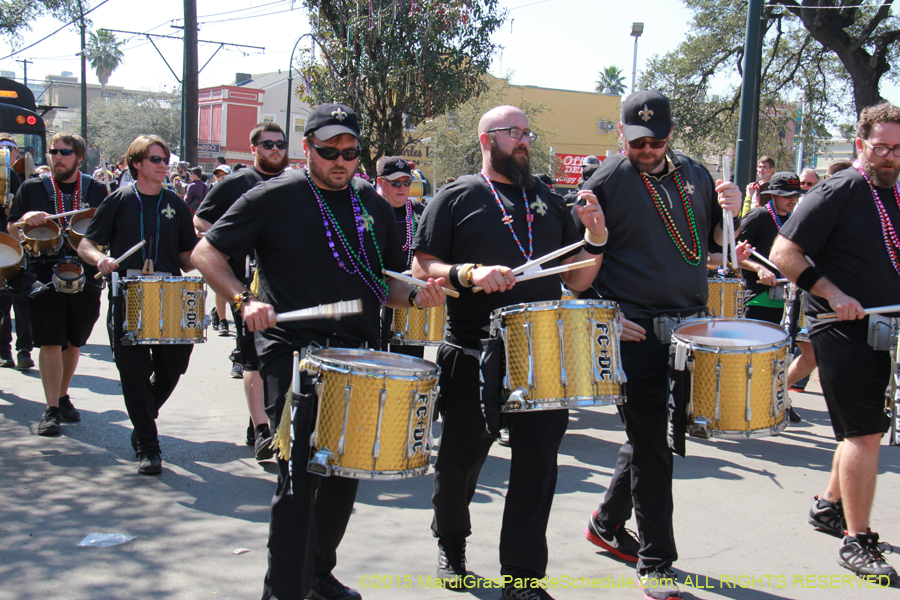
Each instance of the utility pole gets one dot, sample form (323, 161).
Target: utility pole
(190, 105)
(745, 152)
(25, 62)
(84, 113)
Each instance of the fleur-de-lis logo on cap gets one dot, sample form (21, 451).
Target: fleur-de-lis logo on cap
(645, 114)
(339, 114)
(401, 164)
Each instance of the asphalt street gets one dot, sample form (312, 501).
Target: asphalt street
(201, 527)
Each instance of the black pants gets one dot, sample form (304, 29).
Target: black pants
(764, 313)
(534, 440)
(18, 303)
(643, 476)
(309, 513)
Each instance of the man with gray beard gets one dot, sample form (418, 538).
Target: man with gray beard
(847, 227)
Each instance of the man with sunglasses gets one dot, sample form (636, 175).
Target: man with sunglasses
(474, 232)
(320, 236)
(270, 158)
(847, 227)
(663, 211)
(146, 211)
(60, 322)
(808, 178)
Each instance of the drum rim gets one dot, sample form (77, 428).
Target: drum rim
(553, 304)
(8, 240)
(159, 278)
(318, 358)
(733, 349)
(736, 280)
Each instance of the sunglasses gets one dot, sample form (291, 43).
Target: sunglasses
(63, 151)
(400, 184)
(348, 155)
(640, 143)
(269, 144)
(157, 159)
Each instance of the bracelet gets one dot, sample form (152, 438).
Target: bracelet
(453, 276)
(240, 299)
(465, 275)
(595, 244)
(412, 298)
(808, 279)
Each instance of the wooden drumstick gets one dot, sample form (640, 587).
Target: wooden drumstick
(59, 216)
(554, 271)
(869, 311)
(765, 260)
(128, 253)
(335, 310)
(538, 261)
(417, 282)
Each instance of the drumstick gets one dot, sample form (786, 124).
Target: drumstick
(59, 216)
(728, 217)
(128, 253)
(417, 282)
(554, 271)
(323, 311)
(531, 263)
(869, 311)
(764, 260)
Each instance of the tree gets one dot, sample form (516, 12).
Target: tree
(15, 15)
(397, 63)
(611, 77)
(814, 57)
(114, 124)
(104, 53)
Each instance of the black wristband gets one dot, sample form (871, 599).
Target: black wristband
(412, 298)
(808, 279)
(453, 276)
(592, 249)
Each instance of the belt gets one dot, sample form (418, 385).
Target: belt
(664, 324)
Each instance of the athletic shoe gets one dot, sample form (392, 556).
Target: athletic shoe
(828, 517)
(237, 371)
(613, 537)
(660, 583)
(67, 411)
(251, 434)
(151, 463)
(503, 440)
(214, 318)
(262, 443)
(329, 588)
(223, 327)
(49, 424)
(797, 388)
(451, 568)
(864, 555)
(793, 417)
(24, 362)
(7, 361)
(525, 593)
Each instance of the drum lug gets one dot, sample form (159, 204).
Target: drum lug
(620, 370)
(718, 412)
(320, 463)
(775, 386)
(561, 331)
(516, 400)
(504, 334)
(749, 414)
(320, 391)
(140, 323)
(528, 336)
(382, 400)
(348, 393)
(162, 307)
(700, 427)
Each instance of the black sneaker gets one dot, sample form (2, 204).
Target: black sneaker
(7, 361)
(263, 442)
(237, 371)
(793, 417)
(23, 361)
(660, 583)
(864, 555)
(525, 593)
(223, 327)
(451, 568)
(214, 318)
(67, 411)
(613, 537)
(503, 440)
(49, 424)
(329, 588)
(828, 517)
(251, 434)
(151, 463)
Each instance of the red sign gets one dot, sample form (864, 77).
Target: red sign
(571, 174)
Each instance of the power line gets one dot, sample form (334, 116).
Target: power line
(20, 50)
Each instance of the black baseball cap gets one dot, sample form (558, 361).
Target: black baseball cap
(394, 167)
(590, 160)
(646, 114)
(329, 120)
(784, 183)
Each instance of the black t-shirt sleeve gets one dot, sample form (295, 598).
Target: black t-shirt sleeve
(216, 203)
(187, 238)
(236, 232)
(435, 234)
(811, 223)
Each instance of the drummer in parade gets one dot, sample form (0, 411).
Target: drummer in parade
(473, 233)
(61, 319)
(144, 212)
(663, 211)
(847, 227)
(349, 236)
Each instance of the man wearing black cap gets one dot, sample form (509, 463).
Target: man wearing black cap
(589, 165)
(663, 211)
(760, 227)
(320, 236)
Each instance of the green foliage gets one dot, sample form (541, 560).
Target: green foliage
(114, 124)
(611, 77)
(103, 52)
(16, 15)
(400, 65)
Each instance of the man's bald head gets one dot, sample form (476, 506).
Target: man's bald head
(502, 116)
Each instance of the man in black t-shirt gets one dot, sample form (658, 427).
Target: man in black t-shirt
(847, 227)
(473, 233)
(269, 160)
(663, 211)
(144, 211)
(61, 322)
(320, 236)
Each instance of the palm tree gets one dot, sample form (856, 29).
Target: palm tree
(611, 78)
(103, 52)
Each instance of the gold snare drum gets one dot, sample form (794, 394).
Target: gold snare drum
(78, 226)
(561, 354)
(418, 326)
(726, 297)
(68, 277)
(164, 310)
(738, 376)
(46, 238)
(11, 258)
(374, 415)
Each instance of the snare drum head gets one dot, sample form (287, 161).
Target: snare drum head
(369, 361)
(723, 333)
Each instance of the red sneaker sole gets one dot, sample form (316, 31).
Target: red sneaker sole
(597, 541)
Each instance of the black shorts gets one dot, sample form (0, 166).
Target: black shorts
(246, 343)
(854, 378)
(59, 319)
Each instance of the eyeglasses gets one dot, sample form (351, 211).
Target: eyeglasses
(350, 154)
(63, 151)
(157, 159)
(400, 184)
(639, 144)
(516, 133)
(269, 144)
(882, 151)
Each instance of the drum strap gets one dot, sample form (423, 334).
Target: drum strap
(85, 182)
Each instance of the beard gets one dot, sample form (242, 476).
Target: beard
(63, 175)
(327, 175)
(882, 177)
(644, 161)
(514, 166)
(270, 166)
